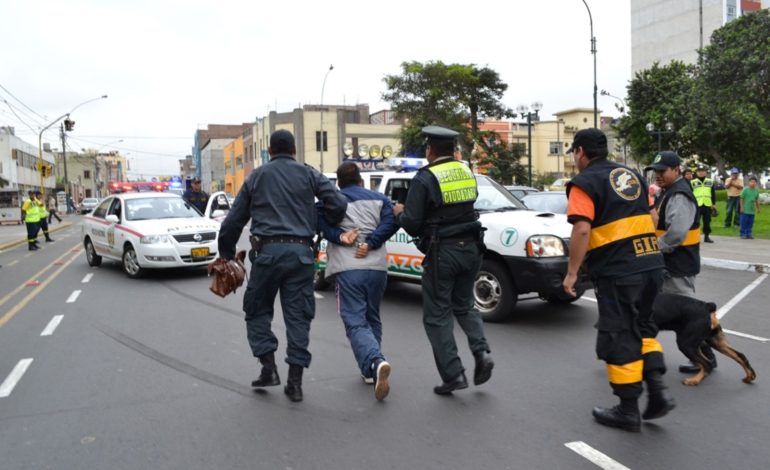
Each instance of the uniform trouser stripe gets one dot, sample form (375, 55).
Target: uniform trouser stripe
(651, 345)
(625, 373)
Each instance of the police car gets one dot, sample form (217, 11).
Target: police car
(527, 251)
(150, 230)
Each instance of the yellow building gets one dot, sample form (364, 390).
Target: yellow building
(234, 168)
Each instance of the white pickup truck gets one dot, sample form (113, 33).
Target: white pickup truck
(527, 251)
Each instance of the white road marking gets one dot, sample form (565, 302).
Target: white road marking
(51, 327)
(317, 295)
(12, 263)
(10, 382)
(746, 335)
(73, 296)
(594, 456)
(87, 278)
(734, 301)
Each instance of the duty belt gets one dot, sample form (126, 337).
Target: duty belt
(287, 239)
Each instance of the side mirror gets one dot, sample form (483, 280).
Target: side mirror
(112, 218)
(218, 213)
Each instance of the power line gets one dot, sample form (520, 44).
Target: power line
(22, 103)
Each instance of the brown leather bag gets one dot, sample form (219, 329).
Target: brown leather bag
(228, 274)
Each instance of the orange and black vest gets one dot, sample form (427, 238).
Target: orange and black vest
(622, 239)
(685, 259)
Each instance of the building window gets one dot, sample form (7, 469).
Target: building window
(86, 174)
(318, 141)
(553, 148)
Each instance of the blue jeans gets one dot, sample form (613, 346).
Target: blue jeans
(359, 293)
(747, 224)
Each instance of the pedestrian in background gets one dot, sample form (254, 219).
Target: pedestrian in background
(614, 233)
(52, 211)
(687, 174)
(439, 211)
(31, 216)
(279, 198)
(734, 187)
(195, 196)
(357, 256)
(706, 198)
(749, 206)
(43, 216)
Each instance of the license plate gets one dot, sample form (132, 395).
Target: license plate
(199, 252)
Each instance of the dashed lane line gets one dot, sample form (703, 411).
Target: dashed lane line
(12, 263)
(51, 327)
(87, 278)
(594, 456)
(10, 382)
(73, 296)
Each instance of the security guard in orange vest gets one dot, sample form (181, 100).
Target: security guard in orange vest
(614, 233)
(439, 211)
(705, 194)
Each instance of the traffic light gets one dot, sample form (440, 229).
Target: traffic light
(69, 124)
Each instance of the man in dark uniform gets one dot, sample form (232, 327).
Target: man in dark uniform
(195, 196)
(439, 211)
(613, 230)
(706, 196)
(278, 197)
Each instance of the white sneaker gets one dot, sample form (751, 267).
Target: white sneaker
(382, 386)
(367, 380)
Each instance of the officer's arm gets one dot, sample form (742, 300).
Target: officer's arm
(713, 195)
(329, 231)
(413, 218)
(232, 226)
(680, 214)
(386, 228)
(334, 203)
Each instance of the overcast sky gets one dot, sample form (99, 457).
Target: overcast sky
(171, 66)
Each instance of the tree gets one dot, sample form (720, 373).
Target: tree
(451, 95)
(502, 161)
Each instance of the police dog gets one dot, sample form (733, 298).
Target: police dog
(695, 322)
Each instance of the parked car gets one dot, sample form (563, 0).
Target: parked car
(151, 230)
(521, 191)
(551, 201)
(88, 204)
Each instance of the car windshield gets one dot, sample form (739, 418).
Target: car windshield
(547, 202)
(159, 208)
(493, 197)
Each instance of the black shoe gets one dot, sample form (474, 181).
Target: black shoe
(484, 366)
(617, 418)
(689, 368)
(658, 405)
(708, 240)
(33, 247)
(381, 383)
(267, 378)
(293, 388)
(49, 240)
(446, 388)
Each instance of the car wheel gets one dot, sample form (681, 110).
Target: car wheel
(494, 293)
(131, 263)
(563, 298)
(320, 283)
(91, 256)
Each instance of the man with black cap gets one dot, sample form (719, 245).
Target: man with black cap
(614, 234)
(279, 198)
(706, 197)
(439, 212)
(195, 196)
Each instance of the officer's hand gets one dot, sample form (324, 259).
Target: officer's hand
(398, 209)
(362, 249)
(569, 284)
(349, 238)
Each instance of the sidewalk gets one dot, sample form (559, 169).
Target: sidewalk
(13, 235)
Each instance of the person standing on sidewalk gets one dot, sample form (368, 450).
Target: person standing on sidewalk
(734, 186)
(439, 211)
(706, 198)
(31, 216)
(52, 212)
(749, 206)
(279, 198)
(358, 257)
(614, 234)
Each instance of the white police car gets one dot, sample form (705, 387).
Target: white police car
(527, 251)
(150, 230)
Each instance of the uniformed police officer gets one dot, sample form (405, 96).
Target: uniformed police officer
(439, 210)
(43, 212)
(31, 216)
(195, 196)
(706, 195)
(278, 197)
(613, 230)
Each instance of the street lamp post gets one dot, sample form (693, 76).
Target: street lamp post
(321, 138)
(622, 108)
(593, 51)
(559, 122)
(668, 128)
(523, 110)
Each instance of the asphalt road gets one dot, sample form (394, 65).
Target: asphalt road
(154, 373)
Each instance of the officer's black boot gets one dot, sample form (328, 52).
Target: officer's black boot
(293, 388)
(483, 370)
(659, 402)
(623, 416)
(269, 375)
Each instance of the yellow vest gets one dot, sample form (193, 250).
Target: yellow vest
(702, 191)
(456, 182)
(31, 213)
(42, 209)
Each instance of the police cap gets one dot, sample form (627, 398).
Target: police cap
(439, 133)
(663, 160)
(592, 140)
(702, 168)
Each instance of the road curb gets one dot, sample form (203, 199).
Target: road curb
(735, 265)
(9, 245)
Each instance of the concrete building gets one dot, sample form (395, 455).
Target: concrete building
(666, 30)
(210, 171)
(20, 167)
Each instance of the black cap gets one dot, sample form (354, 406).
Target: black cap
(439, 133)
(663, 160)
(591, 140)
(196, 180)
(281, 139)
(702, 168)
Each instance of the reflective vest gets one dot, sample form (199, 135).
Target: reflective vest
(456, 182)
(454, 216)
(622, 239)
(41, 209)
(685, 259)
(31, 213)
(702, 191)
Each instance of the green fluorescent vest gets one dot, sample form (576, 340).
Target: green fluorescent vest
(702, 191)
(456, 182)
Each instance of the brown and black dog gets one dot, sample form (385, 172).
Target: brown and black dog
(694, 322)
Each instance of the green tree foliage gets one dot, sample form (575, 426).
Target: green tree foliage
(503, 161)
(451, 95)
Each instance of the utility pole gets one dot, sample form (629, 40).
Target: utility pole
(64, 158)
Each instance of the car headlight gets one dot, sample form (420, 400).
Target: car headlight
(153, 239)
(542, 246)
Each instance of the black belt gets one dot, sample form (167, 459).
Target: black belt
(287, 239)
(443, 240)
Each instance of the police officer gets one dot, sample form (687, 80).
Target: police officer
(43, 216)
(279, 198)
(31, 216)
(706, 196)
(195, 196)
(613, 230)
(439, 211)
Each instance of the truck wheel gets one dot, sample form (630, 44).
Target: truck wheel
(91, 256)
(320, 283)
(493, 292)
(562, 298)
(131, 263)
